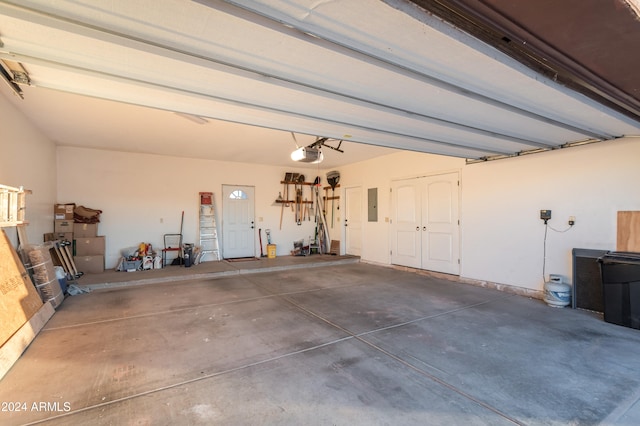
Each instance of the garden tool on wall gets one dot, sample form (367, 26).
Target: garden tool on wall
(299, 206)
(314, 192)
(333, 178)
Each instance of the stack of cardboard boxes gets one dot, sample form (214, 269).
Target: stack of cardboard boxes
(63, 224)
(89, 248)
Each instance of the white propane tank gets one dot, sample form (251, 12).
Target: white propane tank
(556, 293)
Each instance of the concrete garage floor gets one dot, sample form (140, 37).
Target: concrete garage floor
(342, 344)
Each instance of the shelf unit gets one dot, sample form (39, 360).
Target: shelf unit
(13, 206)
(208, 230)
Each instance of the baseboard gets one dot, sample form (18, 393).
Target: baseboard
(507, 288)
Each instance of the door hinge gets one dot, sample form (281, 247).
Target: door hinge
(458, 261)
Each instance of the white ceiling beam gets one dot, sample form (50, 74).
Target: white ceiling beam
(277, 20)
(174, 99)
(159, 50)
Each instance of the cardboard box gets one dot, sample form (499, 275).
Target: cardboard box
(82, 230)
(58, 236)
(63, 211)
(90, 246)
(63, 225)
(90, 264)
(19, 300)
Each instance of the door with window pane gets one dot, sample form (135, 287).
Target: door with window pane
(238, 230)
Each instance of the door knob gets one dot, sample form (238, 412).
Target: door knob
(424, 228)
(417, 228)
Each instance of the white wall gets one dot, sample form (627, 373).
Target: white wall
(501, 234)
(27, 159)
(135, 191)
(379, 173)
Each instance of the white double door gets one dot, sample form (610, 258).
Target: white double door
(425, 229)
(238, 227)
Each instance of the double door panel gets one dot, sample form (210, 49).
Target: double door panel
(425, 226)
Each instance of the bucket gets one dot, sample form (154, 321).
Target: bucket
(557, 294)
(271, 251)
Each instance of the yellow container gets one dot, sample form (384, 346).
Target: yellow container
(271, 251)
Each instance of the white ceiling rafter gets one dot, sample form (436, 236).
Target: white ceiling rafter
(163, 52)
(376, 54)
(302, 69)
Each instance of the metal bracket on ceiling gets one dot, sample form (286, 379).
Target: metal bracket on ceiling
(538, 150)
(5, 73)
(322, 142)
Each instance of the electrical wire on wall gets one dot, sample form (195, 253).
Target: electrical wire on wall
(544, 244)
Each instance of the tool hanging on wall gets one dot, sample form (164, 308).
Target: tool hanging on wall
(299, 206)
(322, 231)
(260, 237)
(314, 190)
(333, 178)
(284, 202)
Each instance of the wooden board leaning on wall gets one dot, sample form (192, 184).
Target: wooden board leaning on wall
(628, 238)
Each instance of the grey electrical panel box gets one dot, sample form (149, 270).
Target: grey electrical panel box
(372, 204)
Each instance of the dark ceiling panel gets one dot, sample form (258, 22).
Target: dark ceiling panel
(590, 46)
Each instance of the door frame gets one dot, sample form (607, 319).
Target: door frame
(224, 223)
(346, 211)
(392, 226)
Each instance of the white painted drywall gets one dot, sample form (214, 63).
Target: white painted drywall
(27, 159)
(503, 234)
(379, 173)
(142, 196)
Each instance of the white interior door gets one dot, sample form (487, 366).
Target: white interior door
(405, 223)
(353, 221)
(425, 230)
(440, 228)
(238, 230)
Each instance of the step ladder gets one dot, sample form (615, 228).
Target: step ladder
(208, 229)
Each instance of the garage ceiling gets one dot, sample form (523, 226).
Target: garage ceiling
(379, 75)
